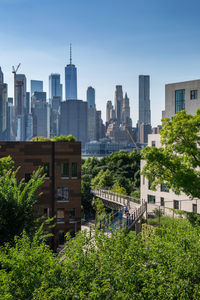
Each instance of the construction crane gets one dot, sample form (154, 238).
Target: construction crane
(14, 71)
(132, 139)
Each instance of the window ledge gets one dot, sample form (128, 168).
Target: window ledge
(62, 177)
(62, 201)
(74, 177)
(47, 178)
(60, 222)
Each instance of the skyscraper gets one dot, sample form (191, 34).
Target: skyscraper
(109, 108)
(144, 108)
(118, 103)
(36, 86)
(125, 112)
(91, 96)
(91, 114)
(55, 87)
(1, 76)
(70, 80)
(20, 106)
(144, 99)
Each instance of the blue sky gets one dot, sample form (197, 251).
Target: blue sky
(113, 42)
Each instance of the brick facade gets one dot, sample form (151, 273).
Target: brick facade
(61, 195)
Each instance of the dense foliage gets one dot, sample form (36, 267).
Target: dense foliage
(161, 263)
(118, 170)
(17, 200)
(60, 138)
(177, 162)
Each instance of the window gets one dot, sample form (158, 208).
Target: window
(143, 179)
(60, 215)
(162, 201)
(163, 188)
(194, 208)
(27, 177)
(179, 100)
(46, 212)
(193, 94)
(46, 170)
(63, 194)
(74, 170)
(153, 143)
(150, 184)
(176, 204)
(61, 238)
(151, 199)
(65, 170)
(72, 213)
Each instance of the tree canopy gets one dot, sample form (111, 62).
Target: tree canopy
(177, 162)
(17, 200)
(60, 138)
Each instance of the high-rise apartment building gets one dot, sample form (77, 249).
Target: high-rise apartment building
(36, 86)
(3, 108)
(91, 114)
(70, 80)
(55, 87)
(118, 103)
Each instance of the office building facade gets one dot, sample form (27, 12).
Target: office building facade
(71, 80)
(36, 86)
(55, 87)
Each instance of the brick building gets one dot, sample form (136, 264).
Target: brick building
(61, 190)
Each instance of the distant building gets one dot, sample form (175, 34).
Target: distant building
(118, 103)
(109, 110)
(36, 86)
(20, 107)
(101, 148)
(125, 112)
(10, 120)
(74, 119)
(70, 80)
(3, 111)
(55, 87)
(100, 128)
(1, 76)
(55, 116)
(41, 114)
(145, 130)
(144, 99)
(61, 190)
(91, 114)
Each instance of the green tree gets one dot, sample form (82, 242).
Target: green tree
(120, 190)
(103, 179)
(177, 162)
(17, 200)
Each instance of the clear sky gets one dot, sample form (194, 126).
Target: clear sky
(113, 41)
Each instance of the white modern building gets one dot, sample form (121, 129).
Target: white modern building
(178, 96)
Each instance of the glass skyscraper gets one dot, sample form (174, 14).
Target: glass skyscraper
(91, 97)
(55, 87)
(36, 86)
(70, 80)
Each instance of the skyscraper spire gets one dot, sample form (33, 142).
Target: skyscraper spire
(70, 54)
(1, 76)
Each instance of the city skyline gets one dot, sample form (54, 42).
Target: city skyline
(111, 47)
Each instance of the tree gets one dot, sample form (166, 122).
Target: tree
(177, 162)
(17, 200)
(103, 179)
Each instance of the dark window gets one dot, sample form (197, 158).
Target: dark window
(153, 143)
(74, 169)
(163, 188)
(176, 204)
(65, 170)
(193, 94)
(61, 237)
(194, 208)
(46, 212)
(179, 100)
(63, 194)
(150, 184)
(162, 201)
(72, 213)
(60, 215)
(46, 170)
(151, 199)
(143, 179)
(27, 177)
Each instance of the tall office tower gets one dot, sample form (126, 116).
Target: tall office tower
(55, 117)
(20, 106)
(109, 108)
(36, 86)
(91, 114)
(55, 87)
(10, 120)
(74, 119)
(125, 116)
(70, 80)
(91, 96)
(1, 76)
(41, 118)
(118, 103)
(144, 99)
(3, 108)
(100, 128)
